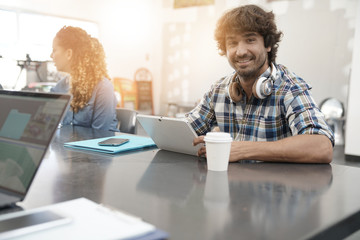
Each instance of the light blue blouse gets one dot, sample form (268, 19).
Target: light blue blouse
(99, 112)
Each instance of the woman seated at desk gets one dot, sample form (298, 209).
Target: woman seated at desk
(81, 56)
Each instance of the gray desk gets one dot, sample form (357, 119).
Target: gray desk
(177, 194)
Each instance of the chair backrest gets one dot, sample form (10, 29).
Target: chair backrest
(333, 110)
(127, 120)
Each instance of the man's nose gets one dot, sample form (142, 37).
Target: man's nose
(241, 49)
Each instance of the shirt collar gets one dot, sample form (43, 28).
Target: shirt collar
(267, 72)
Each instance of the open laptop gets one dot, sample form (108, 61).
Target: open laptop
(28, 121)
(172, 134)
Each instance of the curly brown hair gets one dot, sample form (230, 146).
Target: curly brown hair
(249, 18)
(88, 66)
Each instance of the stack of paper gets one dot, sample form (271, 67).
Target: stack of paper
(89, 220)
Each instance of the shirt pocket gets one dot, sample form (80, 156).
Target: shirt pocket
(269, 128)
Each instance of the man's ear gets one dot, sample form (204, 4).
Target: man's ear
(69, 53)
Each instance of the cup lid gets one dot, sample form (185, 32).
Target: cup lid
(218, 137)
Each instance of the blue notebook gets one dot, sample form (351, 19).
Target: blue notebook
(135, 142)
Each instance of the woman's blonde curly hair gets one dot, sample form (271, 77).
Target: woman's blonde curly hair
(88, 66)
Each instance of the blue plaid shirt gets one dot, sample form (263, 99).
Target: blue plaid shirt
(290, 110)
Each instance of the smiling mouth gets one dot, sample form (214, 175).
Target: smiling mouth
(243, 61)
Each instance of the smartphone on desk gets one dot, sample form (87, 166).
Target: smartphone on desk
(30, 222)
(113, 142)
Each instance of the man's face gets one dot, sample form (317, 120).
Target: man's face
(247, 54)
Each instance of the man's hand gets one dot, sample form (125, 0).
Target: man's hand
(233, 152)
(202, 150)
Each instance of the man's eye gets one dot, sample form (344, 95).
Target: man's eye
(250, 40)
(232, 43)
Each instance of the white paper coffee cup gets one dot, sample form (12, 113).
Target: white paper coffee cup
(218, 145)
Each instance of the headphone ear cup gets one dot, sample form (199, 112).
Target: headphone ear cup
(262, 88)
(235, 92)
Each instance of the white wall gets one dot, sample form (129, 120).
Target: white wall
(178, 46)
(82, 9)
(353, 114)
(191, 62)
(317, 45)
(131, 34)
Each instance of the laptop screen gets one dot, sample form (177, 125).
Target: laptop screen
(28, 121)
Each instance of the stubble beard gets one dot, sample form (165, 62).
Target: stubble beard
(253, 72)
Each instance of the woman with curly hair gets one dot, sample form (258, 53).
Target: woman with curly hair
(81, 56)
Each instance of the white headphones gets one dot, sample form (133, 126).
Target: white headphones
(261, 89)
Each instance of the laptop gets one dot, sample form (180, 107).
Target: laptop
(28, 121)
(171, 134)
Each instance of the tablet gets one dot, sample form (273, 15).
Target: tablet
(171, 134)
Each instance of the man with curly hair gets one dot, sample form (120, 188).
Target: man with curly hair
(81, 56)
(267, 109)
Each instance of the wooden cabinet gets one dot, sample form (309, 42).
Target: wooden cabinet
(143, 79)
(127, 90)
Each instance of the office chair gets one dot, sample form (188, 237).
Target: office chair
(334, 110)
(127, 120)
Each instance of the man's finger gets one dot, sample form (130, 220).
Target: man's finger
(198, 140)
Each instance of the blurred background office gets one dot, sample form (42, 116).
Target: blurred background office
(173, 40)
